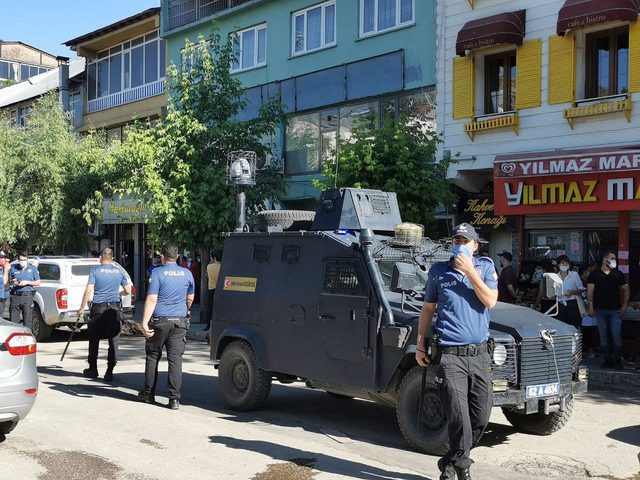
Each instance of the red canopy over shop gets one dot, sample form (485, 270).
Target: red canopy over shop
(506, 27)
(580, 13)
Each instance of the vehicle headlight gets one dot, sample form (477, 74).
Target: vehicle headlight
(499, 354)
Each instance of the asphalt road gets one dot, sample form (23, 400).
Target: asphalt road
(90, 430)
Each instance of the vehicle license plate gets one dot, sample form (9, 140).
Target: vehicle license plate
(546, 390)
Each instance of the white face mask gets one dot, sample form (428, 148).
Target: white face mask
(23, 264)
(564, 268)
(612, 263)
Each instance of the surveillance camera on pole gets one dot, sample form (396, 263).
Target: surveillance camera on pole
(241, 172)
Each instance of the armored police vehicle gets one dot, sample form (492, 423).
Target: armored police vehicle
(337, 306)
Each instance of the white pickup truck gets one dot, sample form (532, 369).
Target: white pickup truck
(62, 283)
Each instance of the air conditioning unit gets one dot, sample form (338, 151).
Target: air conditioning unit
(96, 229)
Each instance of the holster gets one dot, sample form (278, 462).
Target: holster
(434, 351)
(491, 345)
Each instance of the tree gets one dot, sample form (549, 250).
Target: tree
(398, 157)
(44, 180)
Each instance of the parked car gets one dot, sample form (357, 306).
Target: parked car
(18, 374)
(62, 283)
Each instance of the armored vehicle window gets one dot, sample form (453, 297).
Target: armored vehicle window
(290, 253)
(261, 253)
(380, 204)
(49, 271)
(342, 277)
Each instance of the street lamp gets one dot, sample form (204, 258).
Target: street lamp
(241, 172)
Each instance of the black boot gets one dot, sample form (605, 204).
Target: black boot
(91, 372)
(448, 472)
(108, 375)
(463, 473)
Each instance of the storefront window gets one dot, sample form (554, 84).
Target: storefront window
(303, 145)
(352, 116)
(552, 244)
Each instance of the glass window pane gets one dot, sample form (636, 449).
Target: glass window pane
(262, 45)
(103, 78)
(512, 91)
(136, 42)
(24, 72)
(137, 67)
(386, 14)
(329, 135)
(602, 66)
(314, 28)
(151, 62)
(368, 16)
(163, 58)
(150, 36)
(115, 73)
(115, 50)
(91, 81)
(299, 35)
(127, 70)
(236, 52)
(330, 24)
(248, 48)
(420, 108)
(103, 54)
(623, 63)
(33, 71)
(303, 144)
(13, 71)
(406, 10)
(352, 116)
(4, 70)
(496, 85)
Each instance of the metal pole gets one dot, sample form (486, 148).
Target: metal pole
(241, 219)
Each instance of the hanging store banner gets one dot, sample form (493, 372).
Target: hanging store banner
(124, 210)
(478, 210)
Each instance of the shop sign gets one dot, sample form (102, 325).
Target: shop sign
(478, 210)
(611, 191)
(124, 210)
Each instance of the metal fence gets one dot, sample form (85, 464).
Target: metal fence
(184, 12)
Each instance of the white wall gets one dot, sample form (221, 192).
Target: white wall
(542, 128)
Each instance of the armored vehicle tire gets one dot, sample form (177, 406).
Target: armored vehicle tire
(287, 219)
(432, 436)
(244, 385)
(40, 330)
(539, 423)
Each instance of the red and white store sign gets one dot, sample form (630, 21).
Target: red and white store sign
(587, 181)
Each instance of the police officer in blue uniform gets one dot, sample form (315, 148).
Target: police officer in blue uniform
(461, 291)
(23, 277)
(105, 316)
(4, 271)
(165, 322)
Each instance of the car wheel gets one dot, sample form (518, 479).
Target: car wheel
(243, 384)
(431, 435)
(39, 328)
(539, 423)
(7, 427)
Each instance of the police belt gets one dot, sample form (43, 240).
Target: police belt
(107, 304)
(178, 321)
(465, 350)
(20, 293)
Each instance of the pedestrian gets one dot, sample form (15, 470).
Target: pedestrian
(4, 269)
(194, 268)
(507, 280)
(105, 315)
(605, 287)
(165, 322)
(461, 291)
(570, 303)
(589, 323)
(213, 270)
(23, 278)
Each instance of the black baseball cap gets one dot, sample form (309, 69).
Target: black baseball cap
(465, 230)
(506, 255)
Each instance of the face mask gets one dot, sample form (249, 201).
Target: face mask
(564, 268)
(461, 249)
(23, 264)
(612, 263)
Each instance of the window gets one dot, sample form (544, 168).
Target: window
(314, 28)
(75, 104)
(380, 15)
(342, 277)
(49, 271)
(127, 65)
(81, 270)
(23, 115)
(250, 48)
(607, 63)
(500, 83)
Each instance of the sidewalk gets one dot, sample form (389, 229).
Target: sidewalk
(608, 377)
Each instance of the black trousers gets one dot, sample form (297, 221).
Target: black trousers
(569, 313)
(22, 304)
(467, 397)
(171, 334)
(209, 311)
(105, 323)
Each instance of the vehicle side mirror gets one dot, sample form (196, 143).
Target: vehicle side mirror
(403, 277)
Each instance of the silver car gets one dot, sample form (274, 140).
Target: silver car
(18, 374)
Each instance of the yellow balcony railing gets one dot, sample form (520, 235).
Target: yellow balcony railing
(606, 105)
(480, 124)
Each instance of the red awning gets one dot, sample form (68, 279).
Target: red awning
(581, 13)
(486, 32)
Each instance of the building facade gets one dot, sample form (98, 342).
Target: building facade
(124, 82)
(20, 62)
(539, 100)
(332, 63)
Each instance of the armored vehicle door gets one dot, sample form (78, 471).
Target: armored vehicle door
(347, 327)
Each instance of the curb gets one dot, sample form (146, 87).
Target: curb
(605, 378)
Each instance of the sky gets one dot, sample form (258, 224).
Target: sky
(47, 24)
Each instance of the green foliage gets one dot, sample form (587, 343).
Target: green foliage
(399, 157)
(44, 181)
(178, 168)
(7, 83)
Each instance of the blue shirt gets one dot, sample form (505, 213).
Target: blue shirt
(462, 319)
(171, 284)
(107, 279)
(29, 273)
(3, 292)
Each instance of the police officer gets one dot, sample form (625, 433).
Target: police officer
(165, 323)
(23, 277)
(105, 315)
(461, 291)
(4, 269)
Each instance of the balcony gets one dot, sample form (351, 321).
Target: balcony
(490, 122)
(599, 106)
(184, 12)
(127, 96)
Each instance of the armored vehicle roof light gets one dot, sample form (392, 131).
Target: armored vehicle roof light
(409, 234)
(241, 168)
